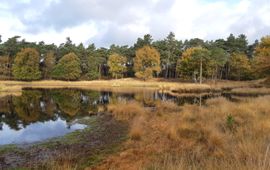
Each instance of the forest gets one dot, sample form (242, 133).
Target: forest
(232, 58)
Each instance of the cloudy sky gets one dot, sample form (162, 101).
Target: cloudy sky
(105, 22)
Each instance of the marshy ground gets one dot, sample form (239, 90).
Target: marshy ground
(76, 150)
(218, 135)
(218, 132)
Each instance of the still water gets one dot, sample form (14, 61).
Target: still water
(41, 114)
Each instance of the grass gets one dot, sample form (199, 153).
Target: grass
(137, 128)
(126, 82)
(129, 85)
(109, 84)
(228, 85)
(218, 135)
(6, 88)
(255, 91)
(8, 148)
(125, 110)
(9, 90)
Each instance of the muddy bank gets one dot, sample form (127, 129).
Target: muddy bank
(81, 148)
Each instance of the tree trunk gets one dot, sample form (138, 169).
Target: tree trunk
(221, 73)
(216, 74)
(194, 77)
(200, 100)
(167, 70)
(9, 67)
(201, 71)
(99, 70)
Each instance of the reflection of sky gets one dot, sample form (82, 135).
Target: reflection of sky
(37, 132)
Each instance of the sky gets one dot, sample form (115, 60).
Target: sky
(106, 22)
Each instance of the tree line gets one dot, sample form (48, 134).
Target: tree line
(231, 58)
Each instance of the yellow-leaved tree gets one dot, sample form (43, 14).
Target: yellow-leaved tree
(26, 65)
(146, 62)
(117, 65)
(240, 67)
(262, 57)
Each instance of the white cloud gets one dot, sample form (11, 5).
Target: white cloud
(77, 34)
(105, 22)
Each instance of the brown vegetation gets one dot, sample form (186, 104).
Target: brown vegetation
(256, 91)
(218, 135)
(132, 85)
(228, 85)
(127, 82)
(4, 88)
(125, 110)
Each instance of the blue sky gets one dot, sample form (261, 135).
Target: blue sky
(105, 22)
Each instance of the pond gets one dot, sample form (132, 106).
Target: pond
(40, 114)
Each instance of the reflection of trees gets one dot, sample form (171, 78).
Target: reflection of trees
(43, 105)
(47, 104)
(68, 101)
(27, 106)
(91, 106)
(7, 113)
(6, 105)
(145, 98)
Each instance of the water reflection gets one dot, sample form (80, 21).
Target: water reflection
(41, 114)
(37, 132)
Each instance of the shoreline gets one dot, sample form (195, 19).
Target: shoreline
(127, 85)
(119, 83)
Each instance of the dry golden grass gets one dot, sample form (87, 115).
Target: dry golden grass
(131, 85)
(9, 90)
(125, 110)
(97, 84)
(228, 84)
(137, 128)
(63, 166)
(218, 135)
(5, 88)
(3, 94)
(163, 107)
(61, 161)
(262, 90)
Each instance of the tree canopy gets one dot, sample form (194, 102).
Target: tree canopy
(49, 63)
(239, 66)
(146, 62)
(68, 68)
(26, 65)
(262, 56)
(189, 65)
(166, 58)
(117, 65)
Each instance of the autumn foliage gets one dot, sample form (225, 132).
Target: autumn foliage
(117, 64)
(262, 56)
(26, 65)
(233, 58)
(146, 62)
